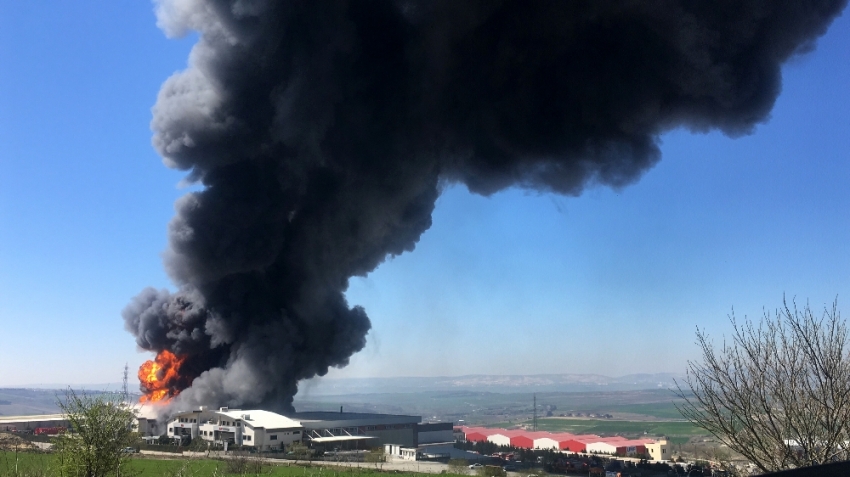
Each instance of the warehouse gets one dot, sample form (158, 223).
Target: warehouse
(353, 429)
(566, 442)
(434, 433)
(503, 438)
(31, 423)
(526, 439)
(266, 430)
(579, 443)
(553, 441)
(623, 447)
(478, 434)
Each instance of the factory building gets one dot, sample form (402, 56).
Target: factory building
(478, 434)
(358, 430)
(624, 447)
(579, 443)
(262, 430)
(31, 423)
(435, 441)
(269, 431)
(503, 438)
(434, 433)
(553, 441)
(526, 439)
(566, 442)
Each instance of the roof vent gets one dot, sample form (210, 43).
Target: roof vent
(222, 409)
(247, 417)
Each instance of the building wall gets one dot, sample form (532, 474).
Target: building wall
(476, 437)
(434, 432)
(185, 424)
(658, 450)
(601, 447)
(522, 442)
(147, 427)
(385, 428)
(430, 437)
(499, 439)
(276, 439)
(545, 443)
(630, 449)
(573, 445)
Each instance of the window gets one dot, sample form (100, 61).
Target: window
(171, 429)
(273, 437)
(247, 438)
(297, 433)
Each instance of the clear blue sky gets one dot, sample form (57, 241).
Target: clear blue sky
(612, 282)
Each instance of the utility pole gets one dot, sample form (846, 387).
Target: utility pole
(125, 389)
(535, 413)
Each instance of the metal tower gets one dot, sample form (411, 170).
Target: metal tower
(535, 412)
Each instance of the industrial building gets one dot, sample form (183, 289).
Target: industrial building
(478, 434)
(268, 431)
(624, 447)
(358, 430)
(658, 450)
(31, 423)
(567, 442)
(579, 443)
(259, 429)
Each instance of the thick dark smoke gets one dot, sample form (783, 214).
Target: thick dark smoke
(322, 132)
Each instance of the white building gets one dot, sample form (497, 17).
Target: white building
(602, 448)
(260, 429)
(658, 450)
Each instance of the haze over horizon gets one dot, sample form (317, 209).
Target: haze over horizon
(612, 282)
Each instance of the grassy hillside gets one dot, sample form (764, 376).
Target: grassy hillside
(43, 465)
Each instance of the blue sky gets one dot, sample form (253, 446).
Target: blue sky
(612, 282)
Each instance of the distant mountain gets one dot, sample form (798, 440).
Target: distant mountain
(490, 383)
(102, 387)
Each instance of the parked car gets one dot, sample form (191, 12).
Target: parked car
(475, 466)
(509, 468)
(129, 450)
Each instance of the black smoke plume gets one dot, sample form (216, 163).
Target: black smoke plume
(322, 132)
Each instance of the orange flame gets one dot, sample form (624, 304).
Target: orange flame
(159, 377)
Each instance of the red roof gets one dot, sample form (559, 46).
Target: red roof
(510, 433)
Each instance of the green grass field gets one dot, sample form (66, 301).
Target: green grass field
(660, 410)
(26, 464)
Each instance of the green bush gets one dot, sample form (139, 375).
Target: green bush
(491, 471)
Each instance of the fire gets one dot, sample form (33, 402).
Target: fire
(160, 377)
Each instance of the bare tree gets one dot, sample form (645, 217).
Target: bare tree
(779, 393)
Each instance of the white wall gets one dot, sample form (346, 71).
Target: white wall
(545, 443)
(499, 439)
(602, 448)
